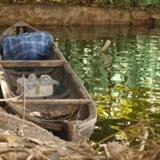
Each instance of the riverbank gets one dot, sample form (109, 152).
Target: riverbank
(77, 15)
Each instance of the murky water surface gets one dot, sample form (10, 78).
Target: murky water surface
(124, 82)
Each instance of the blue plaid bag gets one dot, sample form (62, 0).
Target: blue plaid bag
(27, 46)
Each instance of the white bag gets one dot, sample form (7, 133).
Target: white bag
(36, 87)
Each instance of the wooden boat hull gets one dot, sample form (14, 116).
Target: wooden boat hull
(20, 134)
(73, 112)
(11, 123)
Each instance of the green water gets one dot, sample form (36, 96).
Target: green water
(125, 82)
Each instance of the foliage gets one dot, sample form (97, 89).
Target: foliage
(102, 3)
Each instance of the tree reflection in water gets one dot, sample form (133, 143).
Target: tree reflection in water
(126, 87)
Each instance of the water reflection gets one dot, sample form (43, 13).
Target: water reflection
(124, 83)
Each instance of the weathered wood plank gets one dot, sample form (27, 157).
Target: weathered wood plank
(10, 122)
(55, 101)
(30, 64)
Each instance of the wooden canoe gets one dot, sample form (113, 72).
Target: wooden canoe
(71, 113)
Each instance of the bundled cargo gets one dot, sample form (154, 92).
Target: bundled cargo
(27, 46)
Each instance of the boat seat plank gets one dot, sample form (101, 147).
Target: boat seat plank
(31, 63)
(55, 101)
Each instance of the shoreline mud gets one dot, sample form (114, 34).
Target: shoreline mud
(77, 15)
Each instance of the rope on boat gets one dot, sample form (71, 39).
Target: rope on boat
(13, 99)
(78, 116)
(24, 99)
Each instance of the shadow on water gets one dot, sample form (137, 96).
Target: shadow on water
(124, 82)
